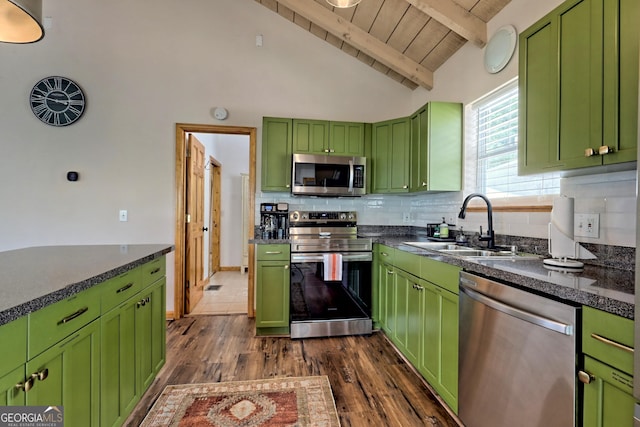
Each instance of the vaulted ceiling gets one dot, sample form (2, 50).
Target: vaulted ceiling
(405, 39)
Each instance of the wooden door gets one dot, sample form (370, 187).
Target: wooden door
(195, 224)
(215, 175)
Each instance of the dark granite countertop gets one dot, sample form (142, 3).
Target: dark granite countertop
(605, 288)
(33, 278)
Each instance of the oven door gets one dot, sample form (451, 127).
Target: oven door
(321, 307)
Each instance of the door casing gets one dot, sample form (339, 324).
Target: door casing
(182, 130)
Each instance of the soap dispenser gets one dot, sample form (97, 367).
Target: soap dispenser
(444, 229)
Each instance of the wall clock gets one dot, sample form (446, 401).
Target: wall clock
(57, 101)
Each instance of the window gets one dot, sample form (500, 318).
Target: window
(495, 118)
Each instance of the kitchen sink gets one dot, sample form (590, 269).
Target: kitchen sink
(470, 252)
(436, 246)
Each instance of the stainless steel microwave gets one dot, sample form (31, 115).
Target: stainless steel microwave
(322, 175)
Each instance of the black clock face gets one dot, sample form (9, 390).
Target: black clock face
(57, 101)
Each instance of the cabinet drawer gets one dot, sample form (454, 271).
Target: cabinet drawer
(56, 321)
(120, 288)
(440, 273)
(408, 262)
(278, 252)
(608, 338)
(153, 270)
(15, 354)
(384, 253)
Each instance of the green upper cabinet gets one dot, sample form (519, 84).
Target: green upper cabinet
(436, 147)
(578, 86)
(276, 154)
(390, 156)
(346, 139)
(331, 138)
(310, 136)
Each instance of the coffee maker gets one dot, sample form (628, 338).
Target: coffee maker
(274, 221)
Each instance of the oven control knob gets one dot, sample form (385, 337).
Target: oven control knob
(351, 216)
(294, 216)
(343, 216)
(304, 216)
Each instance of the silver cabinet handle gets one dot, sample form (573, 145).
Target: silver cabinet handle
(72, 316)
(588, 152)
(612, 343)
(585, 377)
(405, 186)
(286, 267)
(533, 318)
(124, 288)
(605, 149)
(273, 252)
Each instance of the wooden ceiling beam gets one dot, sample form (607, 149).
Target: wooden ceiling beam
(361, 40)
(454, 16)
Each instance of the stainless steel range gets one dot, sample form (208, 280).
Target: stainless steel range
(330, 275)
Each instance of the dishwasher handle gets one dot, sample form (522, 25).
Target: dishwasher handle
(536, 319)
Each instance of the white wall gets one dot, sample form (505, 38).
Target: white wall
(232, 151)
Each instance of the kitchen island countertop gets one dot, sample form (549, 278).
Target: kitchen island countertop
(35, 277)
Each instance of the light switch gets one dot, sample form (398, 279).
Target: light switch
(123, 215)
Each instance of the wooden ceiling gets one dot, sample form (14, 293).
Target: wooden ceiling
(405, 39)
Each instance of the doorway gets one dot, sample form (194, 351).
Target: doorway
(182, 214)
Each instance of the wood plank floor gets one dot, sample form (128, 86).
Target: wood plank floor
(371, 383)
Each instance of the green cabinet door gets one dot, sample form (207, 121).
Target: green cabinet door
(118, 386)
(272, 294)
(12, 386)
(346, 139)
(277, 134)
(608, 399)
(578, 86)
(12, 362)
(150, 333)
(310, 136)
(620, 105)
(436, 147)
(402, 285)
(390, 156)
(439, 362)
(414, 320)
(383, 259)
(69, 375)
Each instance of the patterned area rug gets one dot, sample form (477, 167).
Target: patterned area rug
(292, 402)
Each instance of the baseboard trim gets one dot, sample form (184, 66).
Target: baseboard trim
(171, 315)
(230, 268)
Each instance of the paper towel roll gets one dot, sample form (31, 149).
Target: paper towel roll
(562, 215)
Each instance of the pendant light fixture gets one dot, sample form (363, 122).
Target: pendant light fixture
(20, 21)
(343, 3)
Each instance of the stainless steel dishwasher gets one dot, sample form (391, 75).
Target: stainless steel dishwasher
(517, 358)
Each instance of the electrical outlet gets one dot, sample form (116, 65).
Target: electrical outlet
(587, 225)
(406, 217)
(123, 215)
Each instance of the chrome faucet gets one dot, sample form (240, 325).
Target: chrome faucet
(489, 237)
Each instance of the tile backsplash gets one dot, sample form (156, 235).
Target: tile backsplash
(611, 195)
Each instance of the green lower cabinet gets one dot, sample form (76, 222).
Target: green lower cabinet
(133, 352)
(12, 368)
(12, 387)
(608, 399)
(150, 333)
(68, 374)
(439, 363)
(119, 393)
(272, 295)
(408, 310)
